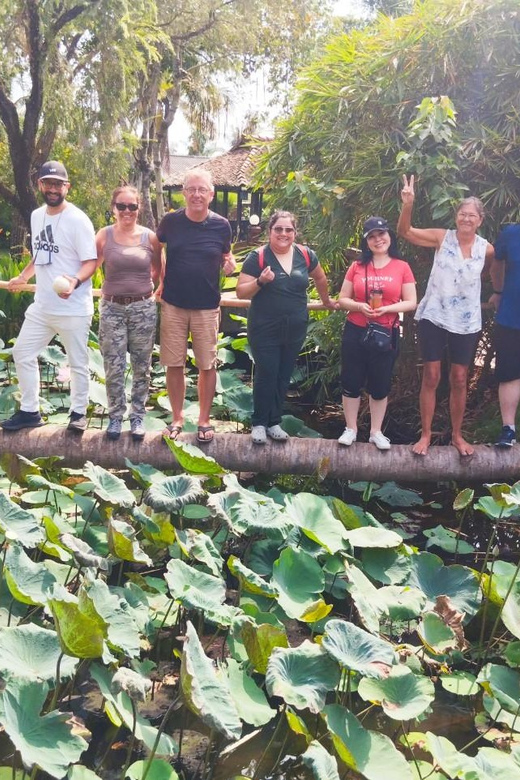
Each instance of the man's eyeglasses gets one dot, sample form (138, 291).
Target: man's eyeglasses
(280, 229)
(196, 190)
(125, 206)
(53, 185)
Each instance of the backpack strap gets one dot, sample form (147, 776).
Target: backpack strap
(303, 249)
(305, 252)
(260, 251)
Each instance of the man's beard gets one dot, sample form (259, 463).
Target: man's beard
(53, 198)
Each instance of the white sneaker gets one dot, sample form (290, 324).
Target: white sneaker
(277, 433)
(380, 440)
(258, 434)
(348, 437)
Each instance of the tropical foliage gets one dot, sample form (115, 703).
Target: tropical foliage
(269, 616)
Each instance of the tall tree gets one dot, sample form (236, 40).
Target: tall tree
(63, 66)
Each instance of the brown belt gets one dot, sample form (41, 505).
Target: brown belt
(124, 300)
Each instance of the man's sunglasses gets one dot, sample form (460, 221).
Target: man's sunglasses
(124, 206)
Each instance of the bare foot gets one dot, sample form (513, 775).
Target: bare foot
(421, 447)
(465, 448)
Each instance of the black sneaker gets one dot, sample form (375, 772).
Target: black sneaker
(77, 422)
(507, 437)
(21, 420)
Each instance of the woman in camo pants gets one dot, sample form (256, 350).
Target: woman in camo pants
(131, 255)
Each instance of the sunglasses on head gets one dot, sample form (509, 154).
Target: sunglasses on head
(124, 206)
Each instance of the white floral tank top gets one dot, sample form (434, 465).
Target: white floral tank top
(452, 297)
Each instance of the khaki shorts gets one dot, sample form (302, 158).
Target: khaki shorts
(177, 324)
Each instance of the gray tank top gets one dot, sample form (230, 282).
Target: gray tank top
(127, 268)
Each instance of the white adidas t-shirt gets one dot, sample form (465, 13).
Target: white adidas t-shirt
(60, 244)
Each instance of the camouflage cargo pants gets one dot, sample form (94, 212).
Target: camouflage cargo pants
(123, 329)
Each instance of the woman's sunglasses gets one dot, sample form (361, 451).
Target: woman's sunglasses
(124, 206)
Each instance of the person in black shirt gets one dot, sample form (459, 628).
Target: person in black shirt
(198, 247)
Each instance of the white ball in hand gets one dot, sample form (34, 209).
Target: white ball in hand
(61, 284)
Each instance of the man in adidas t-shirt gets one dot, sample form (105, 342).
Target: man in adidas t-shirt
(63, 244)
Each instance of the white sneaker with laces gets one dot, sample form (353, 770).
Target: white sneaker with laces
(277, 433)
(348, 437)
(380, 440)
(258, 434)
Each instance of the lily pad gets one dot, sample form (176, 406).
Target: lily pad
(302, 675)
(356, 649)
(459, 583)
(373, 537)
(460, 683)
(402, 695)
(172, 493)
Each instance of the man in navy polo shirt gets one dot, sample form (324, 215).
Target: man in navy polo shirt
(198, 248)
(505, 276)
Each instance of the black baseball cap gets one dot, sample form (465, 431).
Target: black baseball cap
(374, 223)
(53, 170)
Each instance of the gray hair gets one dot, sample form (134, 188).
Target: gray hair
(201, 173)
(472, 201)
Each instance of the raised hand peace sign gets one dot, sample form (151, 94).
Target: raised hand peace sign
(408, 192)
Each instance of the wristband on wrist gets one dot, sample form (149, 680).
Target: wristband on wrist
(259, 283)
(78, 282)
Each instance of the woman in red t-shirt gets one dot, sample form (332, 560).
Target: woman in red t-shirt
(376, 288)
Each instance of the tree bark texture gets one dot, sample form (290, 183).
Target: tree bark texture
(236, 452)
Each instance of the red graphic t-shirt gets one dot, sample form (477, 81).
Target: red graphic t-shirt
(389, 280)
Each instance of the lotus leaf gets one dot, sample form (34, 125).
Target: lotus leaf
(488, 764)
(365, 596)
(28, 582)
(18, 525)
(297, 725)
(198, 545)
(171, 493)
(447, 540)
(45, 741)
(394, 495)
(314, 517)
(159, 769)
(137, 686)
(499, 715)
(504, 574)
(402, 695)
(300, 580)
(123, 544)
(356, 649)
(460, 583)
(495, 509)
(400, 602)
(31, 652)
(438, 637)
(504, 684)
(80, 633)
(108, 487)
(144, 474)
(511, 611)
(122, 707)
(38, 481)
(371, 754)
(369, 536)
(245, 511)
(346, 514)
(206, 694)
(460, 683)
(463, 499)
(302, 675)
(160, 530)
(260, 639)
(17, 467)
(239, 401)
(512, 653)
(249, 699)
(192, 459)
(194, 589)
(121, 630)
(196, 512)
(83, 552)
(389, 566)
(79, 772)
(249, 580)
(323, 765)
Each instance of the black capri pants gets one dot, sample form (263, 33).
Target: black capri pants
(363, 368)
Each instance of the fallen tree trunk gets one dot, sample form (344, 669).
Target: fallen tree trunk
(235, 452)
